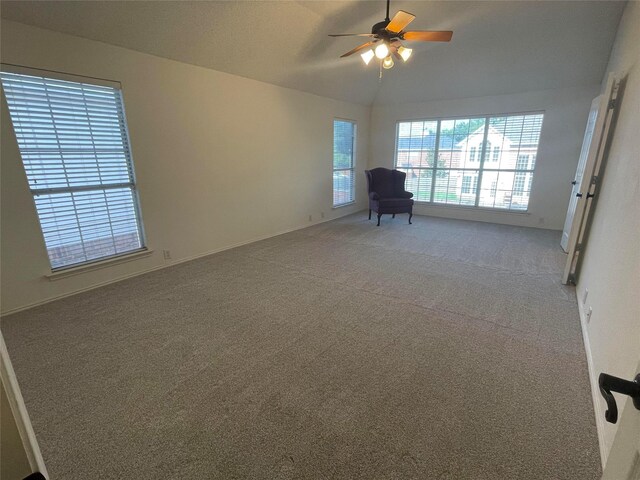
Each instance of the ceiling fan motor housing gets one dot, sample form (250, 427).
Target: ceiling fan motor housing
(380, 27)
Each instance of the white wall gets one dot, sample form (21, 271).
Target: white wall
(566, 112)
(220, 159)
(611, 268)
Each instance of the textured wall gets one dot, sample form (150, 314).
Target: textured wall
(566, 112)
(220, 159)
(611, 268)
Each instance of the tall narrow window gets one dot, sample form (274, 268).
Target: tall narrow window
(344, 138)
(75, 150)
(439, 157)
(496, 154)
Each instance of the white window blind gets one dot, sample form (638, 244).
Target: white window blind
(75, 150)
(475, 161)
(344, 134)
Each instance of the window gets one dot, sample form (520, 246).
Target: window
(518, 183)
(523, 162)
(344, 135)
(75, 150)
(469, 184)
(466, 184)
(439, 159)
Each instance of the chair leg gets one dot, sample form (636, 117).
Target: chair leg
(393, 216)
(379, 215)
(410, 215)
(369, 214)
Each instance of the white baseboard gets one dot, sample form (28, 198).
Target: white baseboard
(176, 262)
(595, 390)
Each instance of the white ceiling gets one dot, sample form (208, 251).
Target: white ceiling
(497, 47)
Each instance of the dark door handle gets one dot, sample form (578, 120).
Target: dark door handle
(574, 182)
(579, 195)
(608, 384)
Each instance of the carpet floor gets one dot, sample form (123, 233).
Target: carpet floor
(440, 350)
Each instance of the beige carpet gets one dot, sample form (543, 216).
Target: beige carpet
(439, 350)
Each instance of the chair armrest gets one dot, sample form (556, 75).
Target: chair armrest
(374, 196)
(405, 195)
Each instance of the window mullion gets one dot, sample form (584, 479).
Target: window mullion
(434, 171)
(83, 188)
(482, 159)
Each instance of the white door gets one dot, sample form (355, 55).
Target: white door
(577, 180)
(623, 461)
(593, 150)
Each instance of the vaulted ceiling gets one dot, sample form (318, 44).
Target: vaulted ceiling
(497, 48)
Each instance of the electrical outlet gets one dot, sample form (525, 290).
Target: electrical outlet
(584, 297)
(310, 218)
(589, 312)
(166, 254)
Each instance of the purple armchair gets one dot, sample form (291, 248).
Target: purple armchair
(387, 193)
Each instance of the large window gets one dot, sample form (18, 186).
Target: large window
(75, 150)
(481, 161)
(344, 138)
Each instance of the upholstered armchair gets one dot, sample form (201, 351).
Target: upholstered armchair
(387, 194)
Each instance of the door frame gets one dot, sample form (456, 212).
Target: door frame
(590, 177)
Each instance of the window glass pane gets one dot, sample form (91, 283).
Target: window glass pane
(468, 188)
(342, 144)
(415, 155)
(419, 183)
(342, 187)
(74, 146)
(488, 189)
(441, 191)
(343, 162)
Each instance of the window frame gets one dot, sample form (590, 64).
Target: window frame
(132, 184)
(352, 168)
(482, 157)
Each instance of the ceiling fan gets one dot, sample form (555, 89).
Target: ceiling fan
(385, 39)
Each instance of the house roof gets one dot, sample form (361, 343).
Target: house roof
(518, 130)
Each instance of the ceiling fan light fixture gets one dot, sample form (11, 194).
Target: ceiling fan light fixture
(367, 56)
(387, 63)
(382, 50)
(405, 53)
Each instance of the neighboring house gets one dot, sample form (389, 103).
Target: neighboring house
(507, 166)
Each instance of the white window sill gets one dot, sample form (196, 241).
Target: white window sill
(127, 257)
(343, 205)
(473, 208)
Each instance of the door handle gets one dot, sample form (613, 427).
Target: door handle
(579, 195)
(574, 182)
(608, 384)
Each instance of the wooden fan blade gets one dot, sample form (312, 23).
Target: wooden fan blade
(399, 21)
(357, 49)
(352, 35)
(425, 36)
